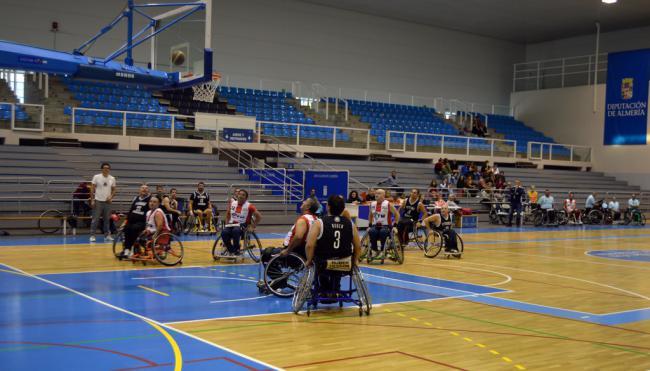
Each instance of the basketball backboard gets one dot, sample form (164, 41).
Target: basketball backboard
(187, 36)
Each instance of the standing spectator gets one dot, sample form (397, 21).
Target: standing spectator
(517, 195)
(102, 191)
(391, 182)
(464, 170)
(437, 168)
(495, 170)
(446, 169)
(353, 198)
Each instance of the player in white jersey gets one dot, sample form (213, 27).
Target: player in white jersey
(382, 217)
(241, 215)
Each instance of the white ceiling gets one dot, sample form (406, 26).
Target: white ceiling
(521, 21)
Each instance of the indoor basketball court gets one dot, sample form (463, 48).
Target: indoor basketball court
(311, 185)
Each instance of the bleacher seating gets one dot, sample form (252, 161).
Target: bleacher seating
(383, 117)
(183, 100)
(513, 129)
(267, 105)
(5, 113)
(117, 97)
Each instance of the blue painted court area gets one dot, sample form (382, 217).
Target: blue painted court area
(46, 327)
(193, 293)
(630, 255)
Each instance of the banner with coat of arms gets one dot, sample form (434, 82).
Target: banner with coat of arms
(626, 103)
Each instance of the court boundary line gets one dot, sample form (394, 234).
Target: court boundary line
(147, 269)
(139, 316)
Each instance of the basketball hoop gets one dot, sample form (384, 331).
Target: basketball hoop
(204, 92)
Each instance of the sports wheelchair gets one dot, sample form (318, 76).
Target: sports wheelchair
(634, 216)
(437, 243)
(310, 293)
(192, 224)
(391, 249)
(280, 274)
(249, 243)
(165, 248)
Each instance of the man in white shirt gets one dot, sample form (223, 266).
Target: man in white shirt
(546, 204)
(102, 191)
(633, 203)
(615, 208)
(590, 202)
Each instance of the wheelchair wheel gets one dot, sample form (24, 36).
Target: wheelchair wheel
(282, 274)
(435, 244)
(365, 247)
(503, 219)
(190, 222)
(167, 249)
(397, 251)
(50, 221)
(460, 245)
(538, 218)
(420, 237)
(118, 244)
(252, 245)
(303, 291)
(178, 226)
(218, 248)
(561, 217)
(362, 291)
(596, 217)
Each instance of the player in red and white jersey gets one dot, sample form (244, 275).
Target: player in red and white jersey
(297, 236)
(571, 209)
(382, 217)
(241, 215)
(156, 224)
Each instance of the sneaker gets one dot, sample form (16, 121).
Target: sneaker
(92, 239)
(108, 238)
(126, 254)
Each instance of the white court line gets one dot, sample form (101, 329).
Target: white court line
(425, 284)
(508, 278)
(566, 277)
(566, 259)
(148, 269)
(137, 315)
(244, 299)
(202, 277)
(623, 311)
(322, 309)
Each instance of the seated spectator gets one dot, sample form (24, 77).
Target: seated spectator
(391, 182)
(464, 170)
(440, 202)
(353, 198)
(470, 187)
(433, 187)
(615, 207)
(495, 170)
(532, 197)
(437, 168)
(546, 204)
(446, 169)
(395, 199)
(370, 196)
(443, 187)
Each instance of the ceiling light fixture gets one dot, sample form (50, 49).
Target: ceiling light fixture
(609, 1)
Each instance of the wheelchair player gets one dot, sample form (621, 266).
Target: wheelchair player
(410, 215)
(444, 225)
(382, 216)
(280, 266)
(333, 247)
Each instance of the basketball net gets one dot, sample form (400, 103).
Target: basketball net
(205, 91)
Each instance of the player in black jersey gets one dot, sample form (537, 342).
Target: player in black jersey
(201, 207)
(443, 223)
(332, 237)
(410, 212)
(135, 221)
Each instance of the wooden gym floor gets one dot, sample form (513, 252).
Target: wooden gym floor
(556, 299)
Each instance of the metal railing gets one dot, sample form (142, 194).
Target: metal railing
(404, 141)
(559, 72)
(23, 116)
(315, 163)
(126, 118)
(245, 161)
(558, 152)
(334, 137)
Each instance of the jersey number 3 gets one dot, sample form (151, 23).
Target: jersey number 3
(337, 239)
